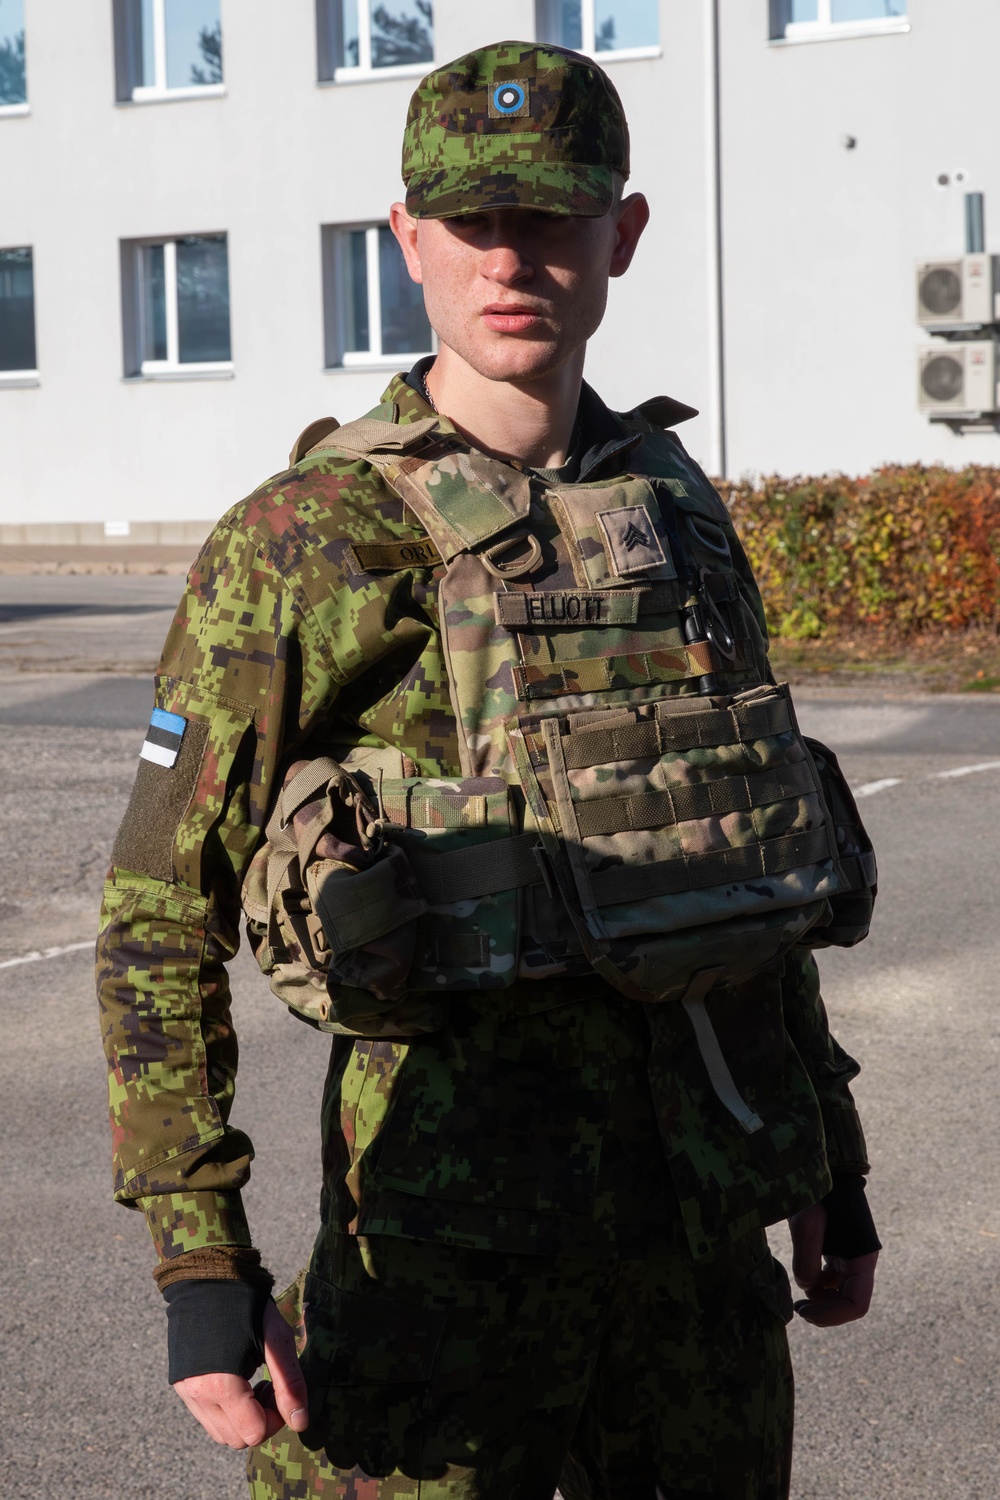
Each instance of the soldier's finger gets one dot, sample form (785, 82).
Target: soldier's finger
(204, 1416)
(832, 1306)
(283, 1366)
(215, 1420)
(247, 1418)
(273, 1420)
(824, 1314)
(829, 1314)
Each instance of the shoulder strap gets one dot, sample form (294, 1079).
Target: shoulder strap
(359, 439)
(462, 498)
(311, 437)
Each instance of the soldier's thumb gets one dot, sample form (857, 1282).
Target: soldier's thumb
(808, 1228)
(287, 1381)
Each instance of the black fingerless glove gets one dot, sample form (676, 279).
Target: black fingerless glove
(850, 1228)
(214, 1327)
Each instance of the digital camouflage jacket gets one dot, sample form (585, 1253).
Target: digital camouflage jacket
(552, 1116)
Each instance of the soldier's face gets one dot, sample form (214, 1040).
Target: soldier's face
(516, 292)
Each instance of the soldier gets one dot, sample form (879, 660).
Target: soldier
(573, 1075)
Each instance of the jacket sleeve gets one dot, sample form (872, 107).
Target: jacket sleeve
(244, 677)
(828, 1065)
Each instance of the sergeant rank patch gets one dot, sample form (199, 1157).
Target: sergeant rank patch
(163, 738)
(632, 542)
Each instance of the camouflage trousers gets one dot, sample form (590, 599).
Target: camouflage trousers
(438, 1373)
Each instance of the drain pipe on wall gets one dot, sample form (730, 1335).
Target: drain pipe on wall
(718, 455)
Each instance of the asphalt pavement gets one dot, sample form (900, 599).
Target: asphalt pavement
(899, 1407)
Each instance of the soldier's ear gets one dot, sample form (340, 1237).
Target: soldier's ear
(405, 229)
(633, 216)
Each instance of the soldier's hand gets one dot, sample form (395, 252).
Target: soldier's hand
(838, 1290)
(234, 1413)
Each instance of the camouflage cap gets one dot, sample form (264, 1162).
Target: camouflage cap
(514, 125)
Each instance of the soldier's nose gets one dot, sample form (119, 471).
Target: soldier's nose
(506, 264)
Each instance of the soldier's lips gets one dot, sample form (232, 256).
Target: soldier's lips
(510, 319)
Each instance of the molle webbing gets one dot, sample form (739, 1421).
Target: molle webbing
(504, 864)
(483, 870)
(701, 799)
(699, 872)
(706, 729)
(597, 674)
(861, 869)
(467, 950)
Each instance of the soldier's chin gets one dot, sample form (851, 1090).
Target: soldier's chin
(519, 357)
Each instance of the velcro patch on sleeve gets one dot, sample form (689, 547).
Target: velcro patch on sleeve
(632, 541)
(164, 738)
(569, 607)
(159, 800)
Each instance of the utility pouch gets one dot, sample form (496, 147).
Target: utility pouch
(332, 909)
(371, 896)
(851, 909)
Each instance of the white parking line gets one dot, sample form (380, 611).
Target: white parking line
(986, 765)
(871, 787)
(38, 954)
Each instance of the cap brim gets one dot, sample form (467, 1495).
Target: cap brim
(553, 186)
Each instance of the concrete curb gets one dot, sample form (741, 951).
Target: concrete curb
(138, 558)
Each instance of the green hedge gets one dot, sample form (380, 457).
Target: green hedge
(907, 550)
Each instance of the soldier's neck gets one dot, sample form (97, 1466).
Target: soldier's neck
(531, 421)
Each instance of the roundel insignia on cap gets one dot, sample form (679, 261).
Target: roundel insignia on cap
(510, 98)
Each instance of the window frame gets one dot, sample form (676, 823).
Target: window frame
(330, 71)
(544, 10)
(23, 107)
(128, 59)
(826, 29)
(133, 314)
(14, 378)
(335, 356)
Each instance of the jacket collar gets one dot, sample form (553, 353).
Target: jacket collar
(604, 437)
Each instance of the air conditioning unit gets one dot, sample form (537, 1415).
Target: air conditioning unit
(959, 377)
(959, 293)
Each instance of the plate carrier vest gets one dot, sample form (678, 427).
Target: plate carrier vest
(636, 798)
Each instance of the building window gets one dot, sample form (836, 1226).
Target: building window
(362, 38)
(374, 313)
(13, 78)
(807, 20)
(17, 315)
(175, 296)
(167, 49)
(629, 27)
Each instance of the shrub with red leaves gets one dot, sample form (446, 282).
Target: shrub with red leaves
(908, 550)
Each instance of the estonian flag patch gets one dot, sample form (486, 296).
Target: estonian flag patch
(163, 738)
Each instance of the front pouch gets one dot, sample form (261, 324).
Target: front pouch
(688, 838)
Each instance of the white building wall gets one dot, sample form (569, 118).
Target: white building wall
(819, 242)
